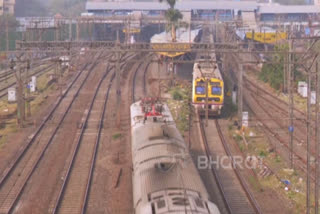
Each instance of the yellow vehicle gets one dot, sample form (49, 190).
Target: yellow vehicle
(207, 75)
(172, 46)
(268, 37)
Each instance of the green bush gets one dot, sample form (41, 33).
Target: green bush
(262, 154)
(273, 73)
(116, 136)
(177, 94)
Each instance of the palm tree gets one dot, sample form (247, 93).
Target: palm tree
(173, 16)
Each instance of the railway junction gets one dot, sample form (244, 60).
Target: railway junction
(103, 118)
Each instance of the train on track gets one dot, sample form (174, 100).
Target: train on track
(207, 81)
(165, 179)
(264, 35)
(184, 39)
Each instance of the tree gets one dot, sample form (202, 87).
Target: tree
(273, 73)
(173, 16)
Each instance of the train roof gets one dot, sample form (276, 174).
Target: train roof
(288, 9)
(163, 170)
(183, 6)
(183, 35)
(208, 69)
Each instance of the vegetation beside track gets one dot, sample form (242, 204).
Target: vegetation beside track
(8, 111)
(179, 105)
(253, 143)
(273, 73)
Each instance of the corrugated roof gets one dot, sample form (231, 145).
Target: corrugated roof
(126, 6)
(287, 9)
(184, 6)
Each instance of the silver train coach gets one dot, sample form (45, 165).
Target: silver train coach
(165, 179)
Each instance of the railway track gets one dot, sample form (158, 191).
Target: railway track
(16, 176)
(4, 92)
(73, 195)
(235, 191)
(262, 102)
(7, 73)
(270, 126)
(139, 78)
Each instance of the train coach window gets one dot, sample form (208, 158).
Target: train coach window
(216, 90)
(200, 90)
(161, 204)
(198, 202)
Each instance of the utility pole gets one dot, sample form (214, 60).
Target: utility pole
(118, 81)
(316, 189)
(240, 93)
(70, 29)
(27, 81)
(20, 97)
(78, 29)
(90, 25)
(60, 76)
(159, 81)
(57, 32)
(285, 74)
(7, 34)
(308, 140)
(291, 103)
(207, 101)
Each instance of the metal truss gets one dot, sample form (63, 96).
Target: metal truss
(63, 46)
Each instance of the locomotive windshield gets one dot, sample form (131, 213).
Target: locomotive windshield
(216, 90)
(200, 90)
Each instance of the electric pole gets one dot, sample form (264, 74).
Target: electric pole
(118, 81)
(7, 34)
(20, 96)
(316, 194)
(159, 81)
(285, 74)
(206, 81)
(70, 29)
(60, 75)
(78, 29)
(291, 103)
(240, 93)
(27, 81)
(207, 101)
(308, 140)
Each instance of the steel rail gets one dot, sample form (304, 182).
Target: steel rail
(40, 127)
(76, 149)
(272, 133)
(3, 91)
(4, 75)
(145, 77)
(243, 183)
(281, 141)
(134, 81)
(31, 141)
(86, 198)
(213, 171)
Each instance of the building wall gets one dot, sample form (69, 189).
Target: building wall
(8, 6)
(1, 7)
